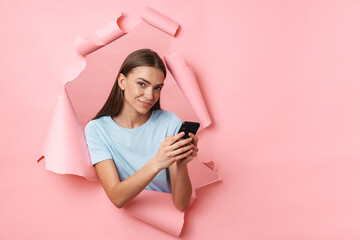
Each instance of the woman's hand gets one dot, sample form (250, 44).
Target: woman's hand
(172, 149)
(195, 149)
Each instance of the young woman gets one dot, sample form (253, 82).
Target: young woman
(133, 143)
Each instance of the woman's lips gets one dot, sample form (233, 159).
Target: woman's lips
(146, 104)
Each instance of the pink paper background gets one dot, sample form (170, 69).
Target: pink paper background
(281, 82)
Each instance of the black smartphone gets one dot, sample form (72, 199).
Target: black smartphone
(189, 127)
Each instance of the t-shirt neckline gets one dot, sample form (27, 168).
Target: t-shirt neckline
(133, 129)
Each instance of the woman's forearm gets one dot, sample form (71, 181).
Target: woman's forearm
(183, 189)
(126, 190)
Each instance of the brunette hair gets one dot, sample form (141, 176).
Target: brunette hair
(141, 57)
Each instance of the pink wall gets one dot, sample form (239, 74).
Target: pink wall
(281, 81)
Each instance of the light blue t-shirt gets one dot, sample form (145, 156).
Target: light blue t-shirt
(131, 149)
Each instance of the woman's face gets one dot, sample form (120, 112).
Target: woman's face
(142, 88)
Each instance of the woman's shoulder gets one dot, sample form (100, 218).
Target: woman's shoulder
(95, 123)
(168, 120)
(164, 114)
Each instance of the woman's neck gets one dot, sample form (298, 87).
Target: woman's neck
(131, 119)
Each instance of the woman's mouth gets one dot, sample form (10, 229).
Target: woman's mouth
(145, 104)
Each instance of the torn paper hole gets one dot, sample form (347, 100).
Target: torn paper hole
(84, 95)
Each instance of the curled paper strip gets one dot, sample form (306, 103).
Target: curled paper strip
(65, 148)
(160, 21)
(153, 207)
(106, 34)
(110, 31)
(186, 80)
(84, 47)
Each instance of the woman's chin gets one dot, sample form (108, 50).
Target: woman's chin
(143, 110)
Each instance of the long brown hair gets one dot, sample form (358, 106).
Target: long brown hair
(141, 57)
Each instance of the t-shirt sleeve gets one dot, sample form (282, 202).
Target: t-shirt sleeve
(174, 125)
(97, 149)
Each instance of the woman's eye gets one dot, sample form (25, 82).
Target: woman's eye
(158, 89)
(141, 84)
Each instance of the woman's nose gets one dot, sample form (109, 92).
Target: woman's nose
(149, 94)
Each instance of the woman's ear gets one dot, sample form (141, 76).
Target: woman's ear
(121, 81)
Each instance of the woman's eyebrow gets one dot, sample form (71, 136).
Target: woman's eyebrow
(149, 82)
